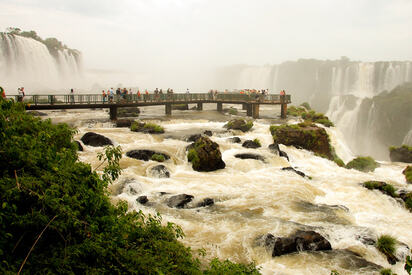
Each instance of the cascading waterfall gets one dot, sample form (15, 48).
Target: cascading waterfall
(28, 62)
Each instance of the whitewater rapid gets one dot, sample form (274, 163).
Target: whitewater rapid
(252, 197)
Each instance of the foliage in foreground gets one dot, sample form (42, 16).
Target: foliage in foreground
(56, 216)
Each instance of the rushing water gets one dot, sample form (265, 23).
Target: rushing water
(254, 197)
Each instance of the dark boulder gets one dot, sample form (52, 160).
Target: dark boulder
(294, 170)
(142, 200)
(144, 154)
(205, 155)
(235, 140)
(250, 156)
(251, 144)
(179, 201)
(208, 133)
(95, 140)
(79, 146)
(123, 122)
(299, 241)
(193, 138)
(206, 202)
(160, 171)
(275, 149)
(401, 154)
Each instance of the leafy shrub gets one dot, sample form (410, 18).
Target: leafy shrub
(156, 128)
(193, 157)
(386, 244)
(408, 264)
(228, 268)
(364, 164)
(257, 142)
(157, 157)
(386, 271)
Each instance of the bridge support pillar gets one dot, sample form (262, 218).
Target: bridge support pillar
(113, 113)
(168, 109)
(283, 110)
(219, 106)
(248, 109)
(244, 106)
(255, 110)
(199, 106)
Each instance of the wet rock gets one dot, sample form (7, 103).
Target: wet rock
(37, 113)
(239, 124)
(144, 154)
(299, 241)
(123, 123)
(181, 107)
(95, 140)
(205, 155)
(251, 144)
(193, 138)
(294, 170)
(128, 112)
(250, 156)
(142, 200)
(368, 240)
(206, 202)
(275, 149)
(79, 146)
(147, 128)
(235, 140)
(163, 193)
(160, 171)
(179, 201)
(401, 154)
(208, 133)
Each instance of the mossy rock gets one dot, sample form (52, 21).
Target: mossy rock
(158, 158)
(304, 135)
(387, 245)
(306, 106)
(401, 154)
(150, 128)
(128, 112)
(408, 174)
(205, 155)
(305, 112)
(384, 187)
(364, 164)
(239, 124)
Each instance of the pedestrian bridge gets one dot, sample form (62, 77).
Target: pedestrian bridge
(88, 101)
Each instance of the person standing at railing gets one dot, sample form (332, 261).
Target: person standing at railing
(138, 95)
(146, 95)
(104, 96)
(282, 96)
(2, 92)
(71, 96)
(20, 95)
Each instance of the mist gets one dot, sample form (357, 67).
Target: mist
(180, 44)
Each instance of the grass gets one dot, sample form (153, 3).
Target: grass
(385, 188)
(233, 111)
(154, 127)
(193, 157)
(257, 142)
(386, 244)
(158, 157)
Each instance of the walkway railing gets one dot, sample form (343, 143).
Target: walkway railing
(159, 98)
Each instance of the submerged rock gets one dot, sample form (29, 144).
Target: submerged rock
(251, 144)
(205, 155)
(401, 154)
(208, 133)
(299, 241)
(274, 147)
(294, 170)
(128, 112)
(95, 140)
(144, 154)
(250, 156)
(160, 171)
(206, 202)
(142, 200)
(123, 122)
(235, 139)
(179, 201)
(193, 138)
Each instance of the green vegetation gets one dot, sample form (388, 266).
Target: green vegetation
(408, 174)
(307, 114)
(157, 157)
(233, 111)
(151, 128)
(364, 164)
(384, 187)
(52, 44)
(387, 245)
(193, 157)
(408, 264)
(387, 271)
(306, 106)
(57, 218)
(393, 148)
(257, 142)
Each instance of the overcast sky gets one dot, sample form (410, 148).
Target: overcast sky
(141, 35)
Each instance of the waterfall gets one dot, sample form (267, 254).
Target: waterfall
(28, 62)
(256, 77)
(408, 138)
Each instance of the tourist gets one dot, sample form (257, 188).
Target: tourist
(138, 95)
(2, 92)
(111, 95)
(71, 96)
(104, 96)
(20, 95)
